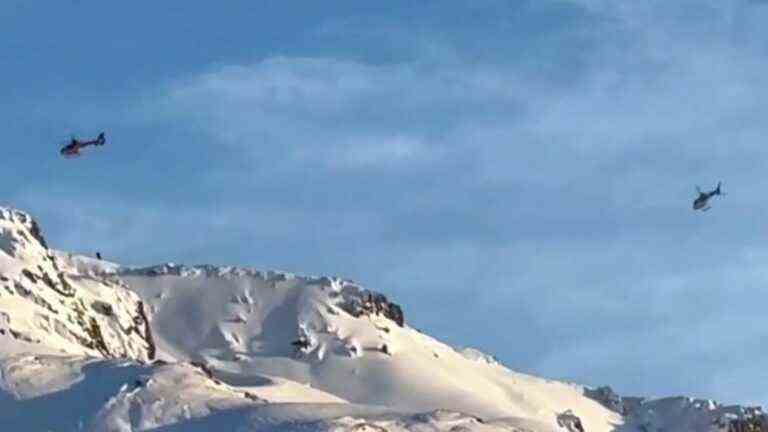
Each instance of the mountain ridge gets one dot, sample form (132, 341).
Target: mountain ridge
(200, 347)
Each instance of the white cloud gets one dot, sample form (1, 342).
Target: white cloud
(345, 113)
(372, 152)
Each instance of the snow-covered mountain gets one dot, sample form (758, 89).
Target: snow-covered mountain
(45, 302)
(91, 345)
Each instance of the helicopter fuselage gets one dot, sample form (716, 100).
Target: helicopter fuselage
(73, 148)
(701, 202)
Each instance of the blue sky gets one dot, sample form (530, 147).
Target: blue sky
(518, 174)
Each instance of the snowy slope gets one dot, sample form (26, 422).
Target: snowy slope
(242, 322)
(91, 345)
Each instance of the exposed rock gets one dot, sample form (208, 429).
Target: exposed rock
(607, 398)
(642, 412)
(361, 302)
(142, 317)
(204, 270)
(103, 308)
(97, 338)
(29, 275)
(203, 367)
(570, 422)
(749, 419)
(253, 397)
(34, 229)
(301, 343)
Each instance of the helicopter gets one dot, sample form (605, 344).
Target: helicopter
(702, 201)
(73, 148)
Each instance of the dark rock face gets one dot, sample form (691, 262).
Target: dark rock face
(97, 339)
(570, 422)
(607, 398)
(142, 319)
(750, 419)
(103, 308)
(37, 233)
(204, 368)
(301, 343)
(367, 303)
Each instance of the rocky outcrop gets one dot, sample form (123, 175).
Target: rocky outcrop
(44, 300)
(689, 413)
(607, 398)
(747, 419)
(358, 302)
(204, 270)
(570, 422)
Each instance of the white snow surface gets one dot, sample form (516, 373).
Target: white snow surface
(96, 346)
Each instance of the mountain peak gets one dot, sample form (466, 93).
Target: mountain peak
(47, 305)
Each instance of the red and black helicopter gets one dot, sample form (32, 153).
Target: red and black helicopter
(75, 145)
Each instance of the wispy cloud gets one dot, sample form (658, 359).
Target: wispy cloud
(342, 111)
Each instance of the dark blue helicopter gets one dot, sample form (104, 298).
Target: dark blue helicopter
(702, 201)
